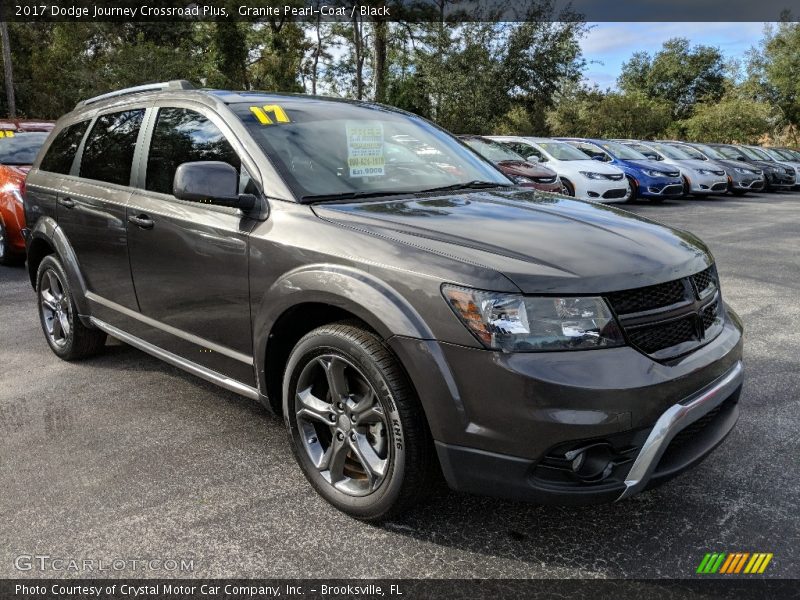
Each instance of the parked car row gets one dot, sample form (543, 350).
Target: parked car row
(632, 169)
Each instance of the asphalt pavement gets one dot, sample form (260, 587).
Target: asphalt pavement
(124, 457)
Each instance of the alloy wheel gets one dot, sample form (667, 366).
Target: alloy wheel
(342, 425)
(55, 307)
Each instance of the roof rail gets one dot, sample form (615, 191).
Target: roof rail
(178, 84)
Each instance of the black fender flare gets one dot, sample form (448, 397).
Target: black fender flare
(47, 229)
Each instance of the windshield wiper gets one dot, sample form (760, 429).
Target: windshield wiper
(468, 185)
(351, 195)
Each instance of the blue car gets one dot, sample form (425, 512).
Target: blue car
(648, 179)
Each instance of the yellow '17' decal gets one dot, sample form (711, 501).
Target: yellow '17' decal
(263, 113)
(6, 134)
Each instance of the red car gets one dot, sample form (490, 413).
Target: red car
(514, 166)
(20, 141)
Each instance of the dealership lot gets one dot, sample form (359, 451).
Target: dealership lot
(122, 456)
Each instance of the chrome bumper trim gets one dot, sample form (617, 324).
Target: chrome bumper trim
(674, 419)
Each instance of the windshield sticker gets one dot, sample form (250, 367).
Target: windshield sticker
(263, 113)
(6, 134)
(365, 156)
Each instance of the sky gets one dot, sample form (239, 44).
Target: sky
(608, 45)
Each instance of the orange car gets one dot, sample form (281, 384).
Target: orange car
(20, 141)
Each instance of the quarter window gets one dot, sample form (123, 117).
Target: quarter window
(108, 152)
(182, 135)
(62, 151)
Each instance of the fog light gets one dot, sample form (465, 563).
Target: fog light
(592, 463)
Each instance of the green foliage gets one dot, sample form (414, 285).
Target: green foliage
(678, 73)
(731, 120)
(592, 113)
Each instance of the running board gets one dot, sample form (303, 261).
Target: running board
(177, 361)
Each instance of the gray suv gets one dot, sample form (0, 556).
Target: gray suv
(409, 311)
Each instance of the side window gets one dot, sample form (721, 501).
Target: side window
(108, 152)
(62, 151)
(182, 135)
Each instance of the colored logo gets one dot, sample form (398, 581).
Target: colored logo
(734, 563)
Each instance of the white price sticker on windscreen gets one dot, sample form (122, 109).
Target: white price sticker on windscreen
(365, 156)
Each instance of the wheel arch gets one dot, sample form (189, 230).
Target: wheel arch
(47, 238)
(312, 296)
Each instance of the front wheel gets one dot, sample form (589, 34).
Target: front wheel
(569, 189)
(6, 256)
(356, 427)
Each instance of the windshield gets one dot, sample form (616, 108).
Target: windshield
(324, 148)
(562, 151)
(690, 152)
(754, 154)
(670, 151)
(731, 152)
(778, 154)
(622, 151)
(21, 148)
(712, 153)
(492, 151)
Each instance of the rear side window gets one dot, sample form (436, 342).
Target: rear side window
(182, 135)
(62, 151)
(108, 152)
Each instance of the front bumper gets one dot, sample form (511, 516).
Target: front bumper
(503, 422)
(708, 184)
(751, 183)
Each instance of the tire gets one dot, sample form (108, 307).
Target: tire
(67, 336)
(686, 187)
(568, 187)
(634, 190)
(388, 432)
(7, 258)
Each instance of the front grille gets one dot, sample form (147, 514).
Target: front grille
(672, 318)
(618, 193)
(709, 315)
(544, 179)
(718, 187)
(673, 173)
(703, 281)
(648, 298)
(653, 338)
(615, 176)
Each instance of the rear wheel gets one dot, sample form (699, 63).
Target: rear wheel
(356, 427)
(67, 336)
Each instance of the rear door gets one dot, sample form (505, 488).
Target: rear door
(190, 260)
(92, 209)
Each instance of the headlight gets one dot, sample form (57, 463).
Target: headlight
(520, 179)
(654, 173)
(742, 171)
(516, 323)
(592, 175)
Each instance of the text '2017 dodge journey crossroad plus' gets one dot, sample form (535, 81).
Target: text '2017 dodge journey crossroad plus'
(406, 308)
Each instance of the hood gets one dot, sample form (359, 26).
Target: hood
(17, 172)
(696, 163)
(542, 243)
(732, 164)
(524, 168)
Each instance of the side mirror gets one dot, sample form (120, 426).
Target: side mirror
(532, 158)
(741, 158)
(210, 182)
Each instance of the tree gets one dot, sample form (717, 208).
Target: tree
(678, 73)
(732, 120)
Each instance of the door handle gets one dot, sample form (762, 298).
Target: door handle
(67, 202)
(142, 221)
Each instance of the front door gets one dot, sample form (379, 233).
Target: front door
(190, 260)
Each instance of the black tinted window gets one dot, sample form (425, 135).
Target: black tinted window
(62, 151)
(180, 136)
(108, 152)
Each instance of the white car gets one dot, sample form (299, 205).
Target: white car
(700, 178)
(582, 177)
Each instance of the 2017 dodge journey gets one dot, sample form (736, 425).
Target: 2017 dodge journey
(407, 309)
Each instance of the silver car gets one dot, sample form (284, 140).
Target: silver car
(700, 178)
